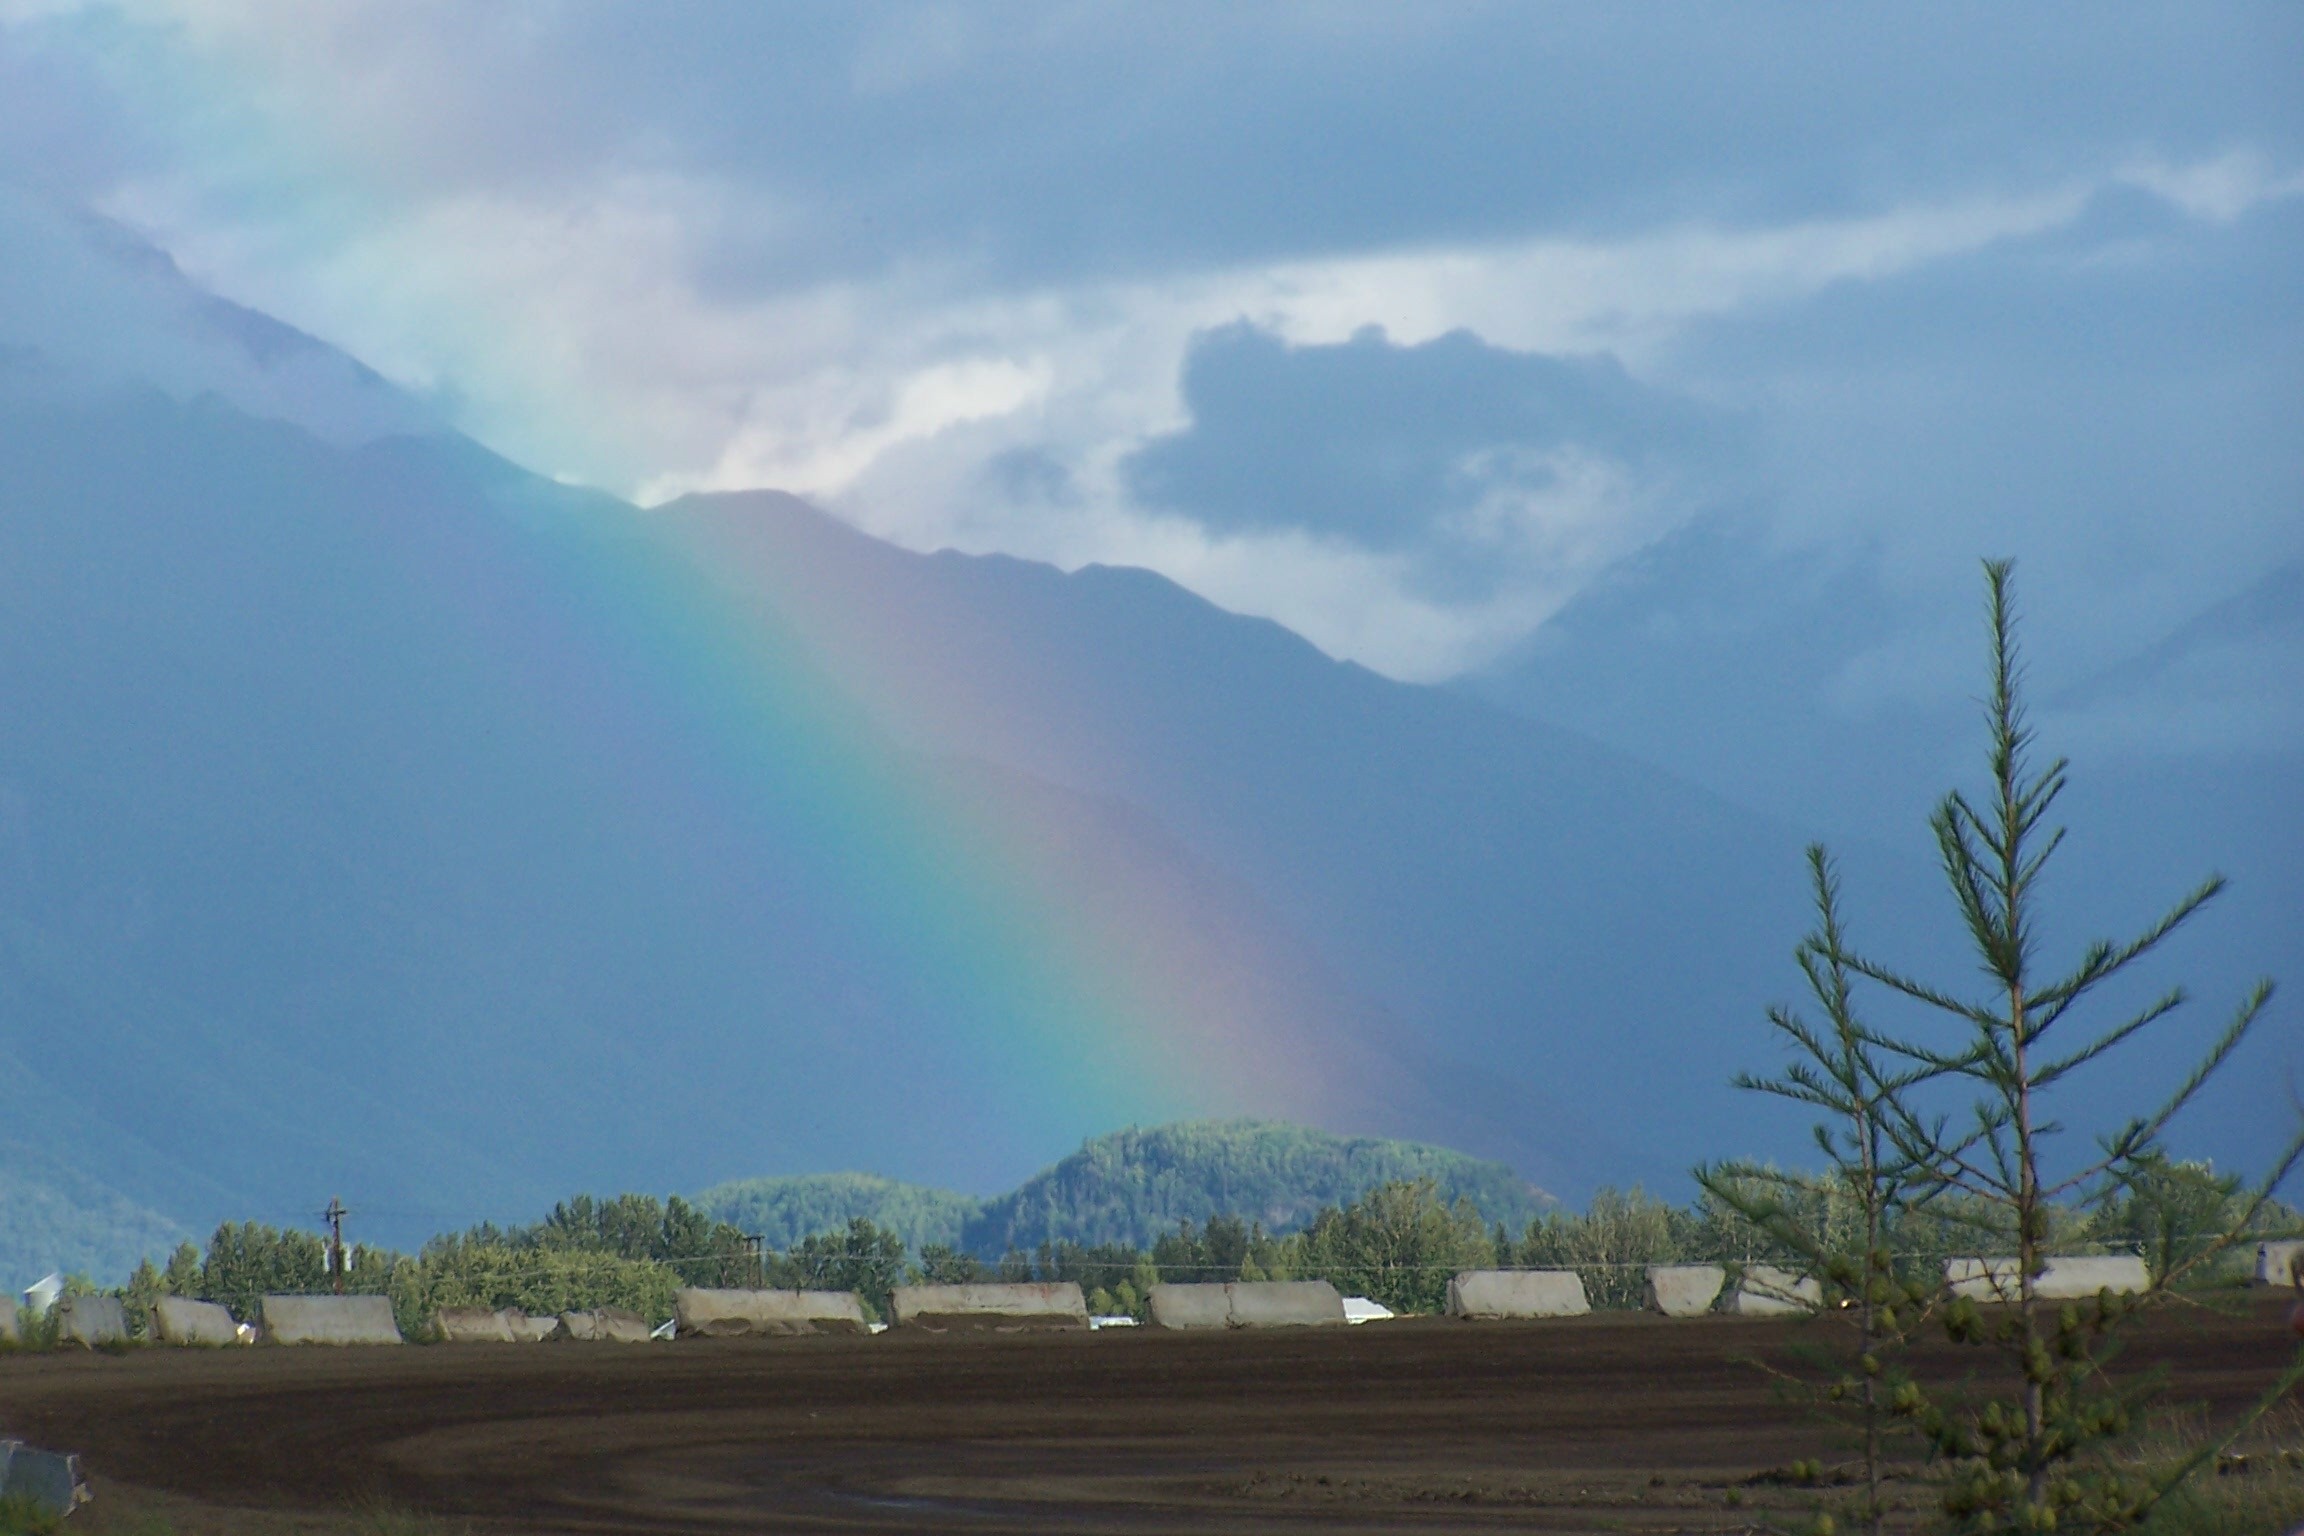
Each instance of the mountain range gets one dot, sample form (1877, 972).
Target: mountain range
(380, 819)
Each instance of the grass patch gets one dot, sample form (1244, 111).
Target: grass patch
(2256, 1488)
(386, 1519)
(21, 1517)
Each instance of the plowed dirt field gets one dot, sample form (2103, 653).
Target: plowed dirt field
(1625, 1423)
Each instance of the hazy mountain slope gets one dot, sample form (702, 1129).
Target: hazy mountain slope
(102, 307)
(1739, 664)
(355, 838)
(1134, 1185)
(53, 1215)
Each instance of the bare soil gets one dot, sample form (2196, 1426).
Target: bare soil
(1607, 1423)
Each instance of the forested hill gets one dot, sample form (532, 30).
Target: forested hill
(1130, 1187)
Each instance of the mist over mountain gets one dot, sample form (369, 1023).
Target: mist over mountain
(102, 309)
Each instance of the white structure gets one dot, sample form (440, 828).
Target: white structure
(2064, 1279)
(991, 1308)
(330, 1320)
(181, 1320)
(1248, 1304)
(1359, 1309)
(1684, 1290)
(1488, 1293)
(1766, 1291)
(42, 1294)
(711, 1314)
(2280, 1263)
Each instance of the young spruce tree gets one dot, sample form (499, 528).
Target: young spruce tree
(2036, 1458)
(1841, 1224)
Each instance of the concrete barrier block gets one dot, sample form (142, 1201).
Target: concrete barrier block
(2280, 1263)
(1493, 1293)
(1248, 1304)
(992, 1308)
(1286, 1304)
(530, 1330)
(2073, 1279)
(47, 1481)
(605, 1325)
(91, 1320)
(1190, 1306)
(713, 1314)
(329, 1320)
(1766, 1291)
(472, 1325)
(2070, 1278)
(1684, 1290)
(1981, 1279)
(181, 1320)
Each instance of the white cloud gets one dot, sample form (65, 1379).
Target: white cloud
(577, 337)
(2220, 189)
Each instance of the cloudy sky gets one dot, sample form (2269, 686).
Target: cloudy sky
(1397, 323)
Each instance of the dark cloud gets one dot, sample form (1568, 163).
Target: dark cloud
(1047, 141)
(1399, 447)
(1029, 475)
(2112, 402)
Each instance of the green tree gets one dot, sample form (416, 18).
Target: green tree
(2037, 1460)
(1226, 1249)
(2173, 1213)
(861, 1258)
(702, 1249)
(941, 1264)
(542, 1281)
(248, 1261)
(1841, 1226)
(1398, 1244)
(182, 1277)
(1611, 1243)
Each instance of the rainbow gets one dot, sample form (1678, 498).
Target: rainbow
(1099, 989)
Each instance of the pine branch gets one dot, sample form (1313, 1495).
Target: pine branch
(2168, 1004)
(2229, 1041)
(2105, 960)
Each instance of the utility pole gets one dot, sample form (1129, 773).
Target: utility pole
(756, 1259)
(334, 1216)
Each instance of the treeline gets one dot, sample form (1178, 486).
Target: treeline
(1401, 1243)
(1398, 1245)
